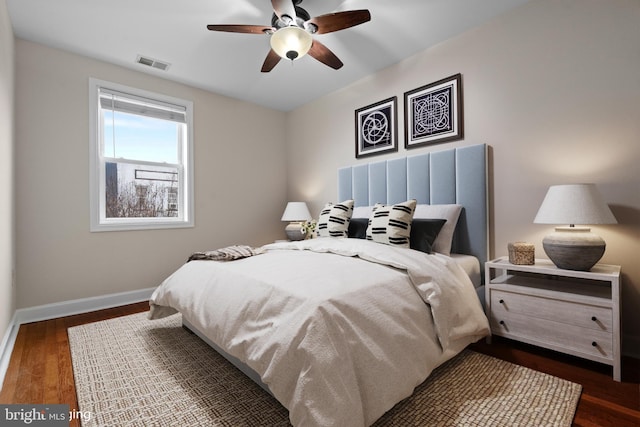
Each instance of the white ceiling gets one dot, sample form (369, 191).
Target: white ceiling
(174, 31)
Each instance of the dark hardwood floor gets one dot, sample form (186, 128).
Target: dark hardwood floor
(40, 371)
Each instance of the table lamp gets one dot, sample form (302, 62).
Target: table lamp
(571, 247)
(296, 213)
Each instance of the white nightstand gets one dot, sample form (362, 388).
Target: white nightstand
(574, 312)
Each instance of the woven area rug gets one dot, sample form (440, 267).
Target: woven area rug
(131, 371)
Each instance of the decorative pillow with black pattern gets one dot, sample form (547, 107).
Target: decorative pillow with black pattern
(391, 224)
(334, 219)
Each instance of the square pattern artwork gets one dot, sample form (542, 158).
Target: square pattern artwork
(433, 113)
(376, 128)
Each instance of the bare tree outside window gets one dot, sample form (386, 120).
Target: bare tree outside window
(129, 197)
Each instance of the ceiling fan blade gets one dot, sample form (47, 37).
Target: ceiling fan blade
(324, 55)
(284, 7)
(248, 29)
(270, 61)
(340, 20)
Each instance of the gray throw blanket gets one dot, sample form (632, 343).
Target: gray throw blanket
(226, 254)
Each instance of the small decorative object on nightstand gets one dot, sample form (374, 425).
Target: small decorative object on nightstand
(522, 253)
(574, 248)
(296, 213)
(574, 312)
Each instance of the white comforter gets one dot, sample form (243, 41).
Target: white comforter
(339, 329)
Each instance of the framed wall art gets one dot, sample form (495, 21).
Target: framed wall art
(377, 128)
(433, 113)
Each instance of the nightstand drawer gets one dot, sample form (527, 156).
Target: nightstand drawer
(596, 344)
(570, 313)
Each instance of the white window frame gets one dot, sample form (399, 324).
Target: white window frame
(97, 188)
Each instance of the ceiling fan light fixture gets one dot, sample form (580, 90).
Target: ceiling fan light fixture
(291, 42)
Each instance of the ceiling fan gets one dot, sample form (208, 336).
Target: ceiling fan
(291, 32)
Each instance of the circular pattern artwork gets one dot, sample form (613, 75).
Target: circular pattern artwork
(375, 128)
(432, 114)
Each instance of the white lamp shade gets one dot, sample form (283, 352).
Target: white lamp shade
(574, 204)
(291, 42)
(296, 211)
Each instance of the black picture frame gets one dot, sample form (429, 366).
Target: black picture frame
(434, 113)
(377, 128)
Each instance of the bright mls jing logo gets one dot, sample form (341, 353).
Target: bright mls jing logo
(35, 415)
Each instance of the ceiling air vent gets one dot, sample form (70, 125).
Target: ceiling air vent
(150, 62)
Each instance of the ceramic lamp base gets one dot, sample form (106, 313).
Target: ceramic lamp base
(574, 248)
(294, 232)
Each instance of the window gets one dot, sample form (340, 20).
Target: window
(141, 159)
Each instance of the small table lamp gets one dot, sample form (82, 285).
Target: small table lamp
(296, 213)
(574, 248)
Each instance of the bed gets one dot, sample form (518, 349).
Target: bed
(341, 329)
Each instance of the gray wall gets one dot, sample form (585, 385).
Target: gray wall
(7, 290)
(58, 259)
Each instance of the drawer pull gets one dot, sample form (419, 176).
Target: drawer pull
(594, 318)
(501, 301)
(595, 344)
(502, 322)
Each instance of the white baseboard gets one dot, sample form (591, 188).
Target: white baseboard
(78, 306)
(6, 348)
(61, 309)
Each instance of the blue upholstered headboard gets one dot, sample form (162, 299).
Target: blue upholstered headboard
(458, 175)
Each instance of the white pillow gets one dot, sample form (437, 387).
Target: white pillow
(391, 224)
(451, 213)
(334, 219)
(362, 211)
